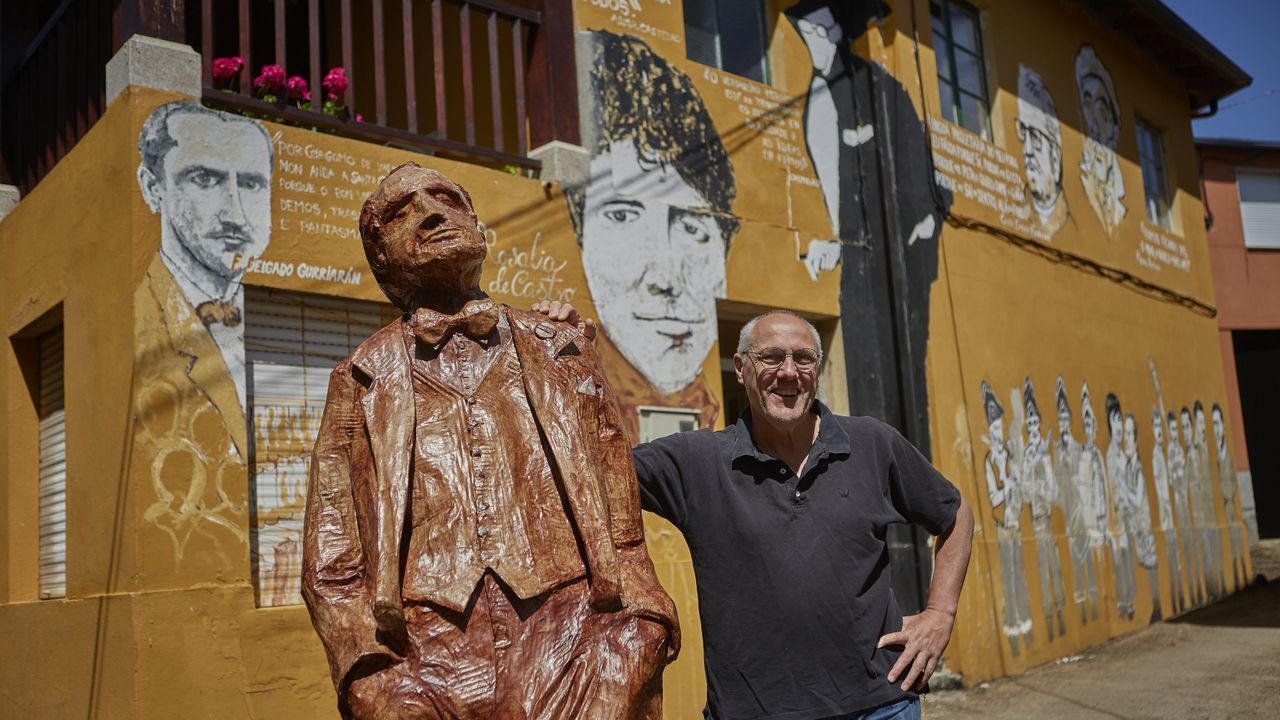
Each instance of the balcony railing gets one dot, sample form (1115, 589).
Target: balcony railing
(441, 76)
(57, 89)
(472, 80)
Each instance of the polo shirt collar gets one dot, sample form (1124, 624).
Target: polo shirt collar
(832, 438)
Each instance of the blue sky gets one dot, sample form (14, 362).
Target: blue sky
(1246, 31)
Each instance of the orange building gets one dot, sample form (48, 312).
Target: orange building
(1242, 213)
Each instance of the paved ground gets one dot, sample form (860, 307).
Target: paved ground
(1221, 661)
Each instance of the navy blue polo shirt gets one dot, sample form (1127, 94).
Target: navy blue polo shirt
(794, 585)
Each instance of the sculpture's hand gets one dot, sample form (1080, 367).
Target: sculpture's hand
(564, 312)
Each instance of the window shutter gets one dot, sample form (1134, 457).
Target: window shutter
(1260, 208)
(292, 342)
(53, 470)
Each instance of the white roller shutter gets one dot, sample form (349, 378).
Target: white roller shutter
(1260, 207)
(292, 342)
(53, 470)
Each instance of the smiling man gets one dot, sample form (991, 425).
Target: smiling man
(654, 223)
(785, 513)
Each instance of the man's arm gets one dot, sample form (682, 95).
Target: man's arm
(564, 312)
(926, 635)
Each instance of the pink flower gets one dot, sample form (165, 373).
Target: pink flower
(271, 80)
(226, 69)
(296, 89)
(335, 83)
(359, 117)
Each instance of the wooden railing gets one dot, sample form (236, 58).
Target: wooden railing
(447, 77)
(479, 80)
(57, 89)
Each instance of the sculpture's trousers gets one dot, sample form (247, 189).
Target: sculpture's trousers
(547, 658)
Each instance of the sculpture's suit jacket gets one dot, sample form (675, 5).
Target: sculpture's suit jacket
(356, 500)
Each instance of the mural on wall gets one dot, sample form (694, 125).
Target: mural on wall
(208, 176)
(1042, 491)
(1005, 491)
(1099, 165)
(845, 136)
(1227, 485)
(1076, 503)
(654, 222)
(1104, 501)
(1170, 492)
(1040, 133)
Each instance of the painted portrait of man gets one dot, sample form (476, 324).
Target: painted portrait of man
(1099, 166)
(654, 221)
(1041, 136)
(207, 175)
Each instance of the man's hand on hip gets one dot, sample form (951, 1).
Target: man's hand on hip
(924, 637)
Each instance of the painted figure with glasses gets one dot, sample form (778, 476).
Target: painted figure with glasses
(785, 513)
(1041, 136)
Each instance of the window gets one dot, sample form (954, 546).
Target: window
(1155, 182)
(53, 469)
(729, 35)
(962, 77)
(292, 342)
(1260, 207)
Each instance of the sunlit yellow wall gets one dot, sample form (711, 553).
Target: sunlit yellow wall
(184, 632)
(1005, 314)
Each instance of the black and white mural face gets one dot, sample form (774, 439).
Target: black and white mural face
(1099, 167)
(1041, 136)
(654, 218)
(208, 175)
(654, 258)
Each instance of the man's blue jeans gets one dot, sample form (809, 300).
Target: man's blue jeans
(908, 709)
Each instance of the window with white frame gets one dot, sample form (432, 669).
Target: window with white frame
(292, 342)
(1155, 177)
(729, 35)
(53, 468)
(1260, 207)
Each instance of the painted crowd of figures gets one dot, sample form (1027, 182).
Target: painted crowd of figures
(1104, 497)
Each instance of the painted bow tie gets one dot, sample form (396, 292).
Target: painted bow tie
(214, 312)
(476, 320)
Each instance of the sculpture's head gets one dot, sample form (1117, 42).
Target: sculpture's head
(421, 237)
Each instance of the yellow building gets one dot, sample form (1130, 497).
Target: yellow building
(989, 210)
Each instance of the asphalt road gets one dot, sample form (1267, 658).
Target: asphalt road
(1222, 661)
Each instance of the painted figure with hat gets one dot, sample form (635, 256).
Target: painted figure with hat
(1007, 496)
(1042, 489)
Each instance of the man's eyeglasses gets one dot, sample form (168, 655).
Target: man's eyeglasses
(1039, 138)
(772, 358)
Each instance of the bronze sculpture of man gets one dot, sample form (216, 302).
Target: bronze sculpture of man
(473, 545)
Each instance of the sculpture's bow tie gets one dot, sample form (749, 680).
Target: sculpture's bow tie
(476, 320)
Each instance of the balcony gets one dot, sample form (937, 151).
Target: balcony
(467, 80)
